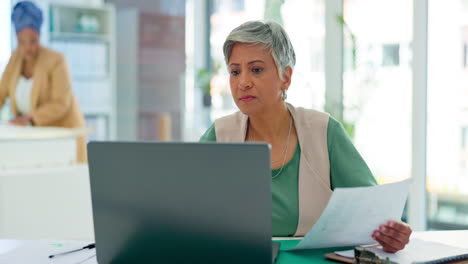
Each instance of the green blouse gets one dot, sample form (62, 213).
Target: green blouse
(347, 169)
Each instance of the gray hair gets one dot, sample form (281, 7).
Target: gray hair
(271, 35)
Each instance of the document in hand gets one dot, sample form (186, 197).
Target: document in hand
(352, 214)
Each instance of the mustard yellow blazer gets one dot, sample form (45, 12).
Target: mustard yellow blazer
(52, 100)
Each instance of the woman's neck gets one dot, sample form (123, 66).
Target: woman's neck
(28, 68)
(269, 126)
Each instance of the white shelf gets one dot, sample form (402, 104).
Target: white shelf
(78, 36)
(80, 20)
(86, 36)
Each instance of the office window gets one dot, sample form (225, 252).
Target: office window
(305, 23)
(228, 6)
(463, 159)
(390, 55)
(464, 44)
(465, 55)
(447, 174)
(377, 84)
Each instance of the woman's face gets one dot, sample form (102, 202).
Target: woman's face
(254, 80)
(28, 42)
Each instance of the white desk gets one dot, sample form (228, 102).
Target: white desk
(43, 192)
(46, 203)
(40, 250)
(35, 147)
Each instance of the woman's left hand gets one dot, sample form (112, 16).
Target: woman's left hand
(23, 120)
(393, 236)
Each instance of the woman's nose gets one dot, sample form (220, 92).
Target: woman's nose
(245, 82)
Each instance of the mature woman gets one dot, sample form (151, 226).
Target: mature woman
(37, 80)
(311, 153)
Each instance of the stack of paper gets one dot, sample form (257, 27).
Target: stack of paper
(416, 251)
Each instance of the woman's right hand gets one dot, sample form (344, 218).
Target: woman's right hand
(23, 120)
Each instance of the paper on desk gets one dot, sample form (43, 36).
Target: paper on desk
(352, 214)
(412, 252)
(38, 252)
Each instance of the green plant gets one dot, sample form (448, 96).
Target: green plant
(204, 77)
(352, 37)
(349, 128)
(273, 11)
(348, 125)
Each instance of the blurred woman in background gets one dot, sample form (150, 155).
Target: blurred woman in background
(37, 80)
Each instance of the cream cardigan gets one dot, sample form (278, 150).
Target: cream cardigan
(314, 166)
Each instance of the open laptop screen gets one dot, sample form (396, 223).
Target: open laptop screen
(181, 202)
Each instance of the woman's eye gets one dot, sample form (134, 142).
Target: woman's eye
(257, 70)
(234, 72)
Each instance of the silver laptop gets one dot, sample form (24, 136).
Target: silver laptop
(181, 202)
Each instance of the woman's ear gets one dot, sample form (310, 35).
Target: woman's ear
(287, 75)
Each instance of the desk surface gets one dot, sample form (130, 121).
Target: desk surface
(12, 133)
(58, 198)
(457, 238)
